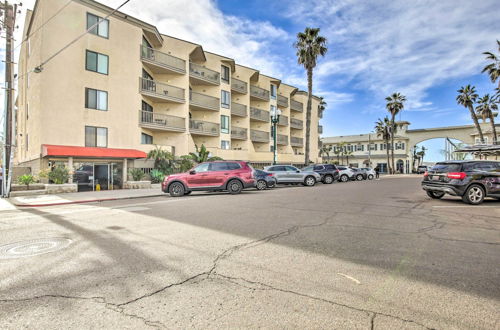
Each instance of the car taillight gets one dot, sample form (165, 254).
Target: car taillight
(337, 171)
(270, 174)
(456, 175)
(426, 173)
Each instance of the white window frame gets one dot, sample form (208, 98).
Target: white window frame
(225, 145)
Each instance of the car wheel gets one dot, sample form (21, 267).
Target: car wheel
(328, 179)
(474, 195)
(344, 178)
(176, 189)
(271, 184)
(435, 194)
(187, 193)
(261, 185)
(359, 177)
(309, 181)
(370, 177)
(234, 187)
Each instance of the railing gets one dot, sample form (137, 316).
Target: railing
(239, 133)
(159, 120)
(203, 127)
(259, 114)
(259, 136)
(297, 106)
(239, 85)
(296, 142)
(296, 123)
(238, 109)
(320, 129)
(161, 90)
(282, 139)
(260, 93)
(200, 72)
(204, 101)
(283, 101)
(283, 121)
(172, 62)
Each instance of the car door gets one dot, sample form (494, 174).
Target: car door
(219, 172)
(198, 176)
(292, 175)
(279, 173)
(492, 177)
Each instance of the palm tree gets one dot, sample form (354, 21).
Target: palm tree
(485, 108)
(309, 46)
(395, 104)
(202, 155)
(493, 69)
(383, 130)
(347, 153)
(467, 96)
(421, 155)
(325, 150)
(163, 159)
(321, 107)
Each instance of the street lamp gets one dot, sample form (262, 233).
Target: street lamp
(275, 117)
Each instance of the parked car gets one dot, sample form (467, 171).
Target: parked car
(370, 172)
(264, 180)
(346, 174)
(358, 174)
(291, 174)
(471, 180)
(422, 169)
(231, 176)
(328, 172)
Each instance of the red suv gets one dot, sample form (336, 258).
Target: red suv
(233, 176)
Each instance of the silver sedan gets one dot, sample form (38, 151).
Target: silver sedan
(291, 174)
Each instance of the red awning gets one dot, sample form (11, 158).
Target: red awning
(91, 152)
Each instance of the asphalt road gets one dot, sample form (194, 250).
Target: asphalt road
(357, 255)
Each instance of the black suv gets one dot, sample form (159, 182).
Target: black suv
(471, 180)
(329, 172)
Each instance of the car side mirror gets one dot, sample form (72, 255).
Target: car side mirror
(297, 171)
(192, 172)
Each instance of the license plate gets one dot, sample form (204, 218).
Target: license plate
(435, 177)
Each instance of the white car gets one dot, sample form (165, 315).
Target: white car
(291, 174)
(345, 174)
(370, 172)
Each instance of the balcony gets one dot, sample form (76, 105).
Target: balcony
(282, 101)
(296, 142)
(159, 62)
(158, 121)
(198, 101)
(239, 133)
(259, 136)
(283, 121)
(282, 139)
(238, 109)
(200, 127)
(296, 106)
(239, 86)
(203, 76)
(296, 123)
(320, 129)
(259, 93)
(259, 115)
(160, 92)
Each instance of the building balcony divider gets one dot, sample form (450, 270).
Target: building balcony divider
(239, 133)
(296, 123)
(163, 60)
(282, 101)
(238, 109)
(259, 136)
(204, 74)
(296, 142)
(204, 101)
(201, 127)
(282, 139)
(239, 86)
(161, 121)
(161, 91)
(259, 93)
(259, 114)
(297, 106)
(283, 121)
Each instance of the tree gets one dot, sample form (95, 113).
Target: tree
(485, 108)
(347, 154)
(202, 155)
(467, 96)
(395, 104)
(321, 107)
(163, 159)
(421, 155)
(493, 69)
(415, 157)
(325, 150)
(383, 130)
(309, 46)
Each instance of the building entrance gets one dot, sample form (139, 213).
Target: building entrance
(98, 176)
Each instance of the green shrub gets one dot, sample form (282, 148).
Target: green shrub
(26, 179)
(59, 175)
(156, 176)
(136, 173)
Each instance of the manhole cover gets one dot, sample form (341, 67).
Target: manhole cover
(33, 247)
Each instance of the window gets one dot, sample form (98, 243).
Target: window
(218, 166)
(224, 73)
(96, 99)
(146, 139)
(96, 136)
(96, 62)
(273, 91)
(27, 111)
(202, 168)
(146, 107)
(224, 145)
(102, 29)
(28, 45)
(318, 167)
(233, 166)
(224, 124)
(146, 43)
(225, 99)
(27, 141)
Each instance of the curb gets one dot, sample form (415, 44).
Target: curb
(85, 201)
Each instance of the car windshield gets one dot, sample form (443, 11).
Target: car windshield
(446, 167)
(308, 168)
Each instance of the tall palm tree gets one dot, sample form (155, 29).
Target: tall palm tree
(383, 130)
(467, 96)
(321, 107)
(421, 155)
(493, 69)
(325, 150)
(309, 46)
(395, 104)
(485, 108)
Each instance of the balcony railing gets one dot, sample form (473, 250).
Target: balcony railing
(239, 86)
(201, 127)
(199, 100)
(204, 74)
(282, 101)
(238, 109)
(320, 129)
(283, 121)
(296, 123)
(297, 106)
(282, 139)
(161, 91)
(259, 93)
(296, 142)
(259, 136)
(163, 60)
(258, 114)
(239, 133)
(160, 121)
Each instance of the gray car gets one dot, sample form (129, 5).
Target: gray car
(291, 174)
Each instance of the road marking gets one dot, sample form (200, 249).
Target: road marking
(470, 206)
(350, 278)
(134, 208)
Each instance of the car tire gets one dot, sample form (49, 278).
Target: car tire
(309, 181)
(328, 179)
(187, 193)
(176, 189)
(359, 177)
(261, 185)
(370, 177)
(474, 194)
(344, 178)
(234, 187)
(435, 194)
(271, 184)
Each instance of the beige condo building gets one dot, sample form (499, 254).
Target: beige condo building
(124, 87)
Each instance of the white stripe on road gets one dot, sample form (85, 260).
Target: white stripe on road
(350, 278)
